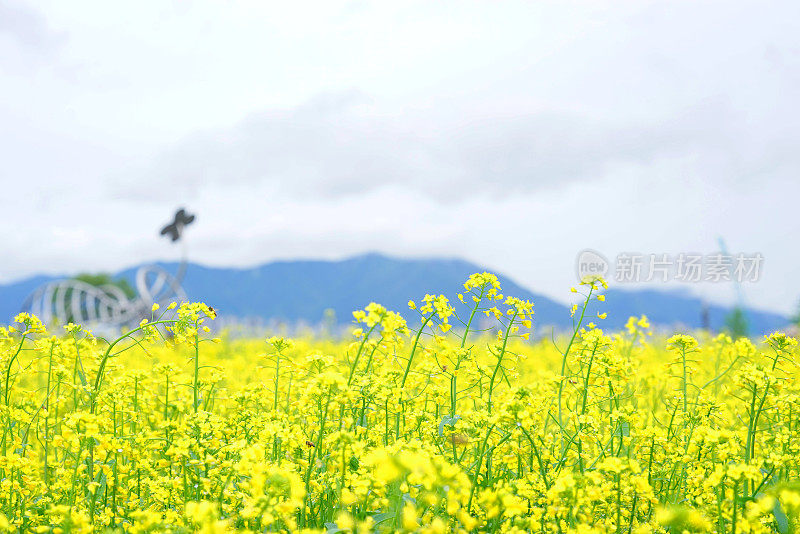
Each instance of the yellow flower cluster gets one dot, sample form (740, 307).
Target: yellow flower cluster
(458, 424)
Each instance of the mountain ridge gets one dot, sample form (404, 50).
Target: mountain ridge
(301, 291)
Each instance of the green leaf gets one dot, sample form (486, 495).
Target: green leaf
(449, 421)
(624, 429)
(781, 521)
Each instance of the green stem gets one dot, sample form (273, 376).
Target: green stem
(472, 316)
(358, 354)
(313, 457)
(107, 354)
(10, 363)
(414, 348)
(500, 359)
(566, 354)
(196, 386)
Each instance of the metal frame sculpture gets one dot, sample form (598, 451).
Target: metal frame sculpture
(108, 306)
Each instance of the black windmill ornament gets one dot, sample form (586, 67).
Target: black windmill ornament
(175, 229)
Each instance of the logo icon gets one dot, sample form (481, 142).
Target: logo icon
(591, 263)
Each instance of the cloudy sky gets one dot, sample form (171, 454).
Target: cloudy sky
(512, 134)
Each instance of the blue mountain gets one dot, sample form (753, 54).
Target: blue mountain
(678, 310)
(301, 290)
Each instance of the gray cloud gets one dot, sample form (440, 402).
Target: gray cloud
(344, 144)
(26, 26)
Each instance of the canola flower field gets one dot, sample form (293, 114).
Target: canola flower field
(414, 427)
